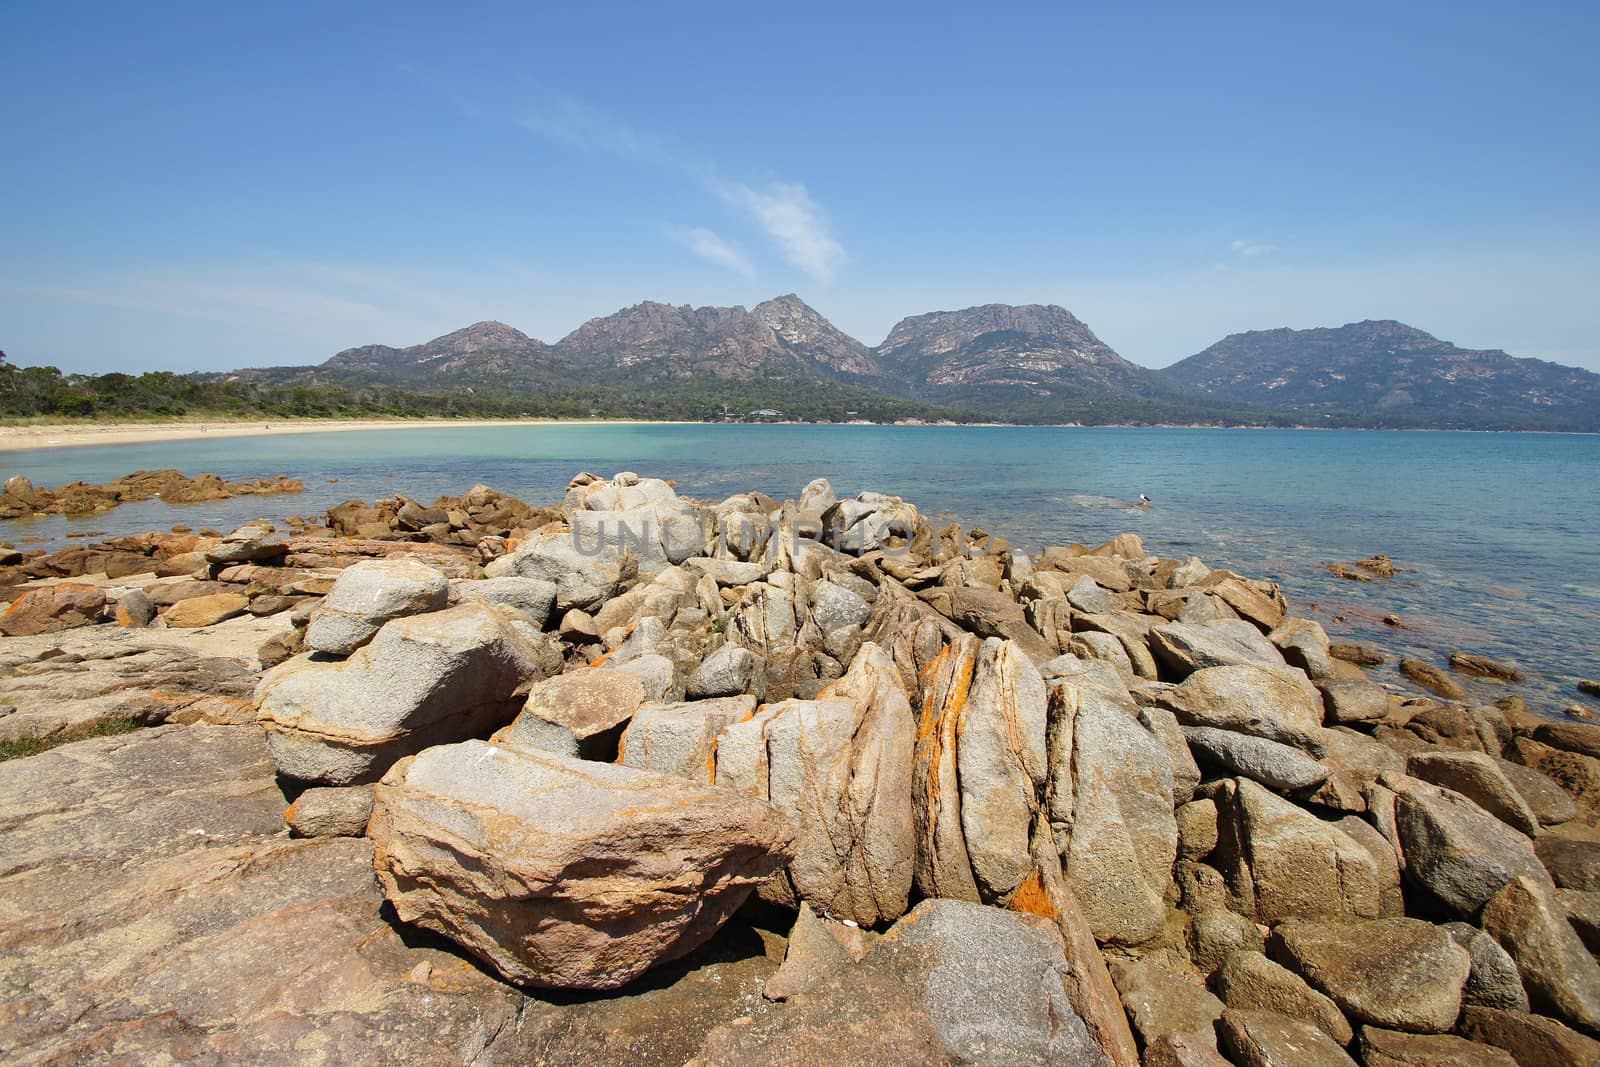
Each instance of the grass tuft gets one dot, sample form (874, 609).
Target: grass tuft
(32, 745)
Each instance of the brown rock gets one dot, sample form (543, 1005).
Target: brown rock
(52, 609)
(1401, 974)
(1360, 655)
(1391, 1048)
(1267, 1039)
(1579, 737)
(1430, 677)
(1532, 1040)
(1559, 974)
(1484, 667)
(552, 870)
(205, 610)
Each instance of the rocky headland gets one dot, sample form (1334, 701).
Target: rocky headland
(638, 778)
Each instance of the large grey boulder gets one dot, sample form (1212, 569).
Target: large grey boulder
(1110, 800)
(991, 982)
(1274, 703)
(1282, 862)
(1401, 974)
(951, 983)
(1459, 852)
(532, 598)
(565, 873)
(1183, 648)
(1275, 765)
(681, 738)
(839, 768)
(424, 680)
(1560, 975)
(729, 671)
(586, 575)
(368, 594)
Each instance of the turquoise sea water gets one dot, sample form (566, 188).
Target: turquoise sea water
(1501, 532)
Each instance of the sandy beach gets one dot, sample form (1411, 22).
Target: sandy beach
(71, 435)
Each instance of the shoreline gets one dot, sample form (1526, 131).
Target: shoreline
(41, 436)
(67, 435)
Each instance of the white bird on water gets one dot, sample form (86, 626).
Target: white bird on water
(1145, 499)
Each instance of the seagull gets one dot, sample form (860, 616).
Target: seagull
(1145, 499)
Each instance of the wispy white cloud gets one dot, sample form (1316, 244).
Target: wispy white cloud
(711, 247)
(794, 222)
(1253, 248)
(784, 211)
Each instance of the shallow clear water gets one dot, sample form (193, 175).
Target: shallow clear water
(1501, 531)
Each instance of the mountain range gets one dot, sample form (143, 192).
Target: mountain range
(1028, 364)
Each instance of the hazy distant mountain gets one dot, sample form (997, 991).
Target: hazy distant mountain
(485, 345)
(1000, 344)
(1030, 364)
(1388, 373)
(783, 336)
(1034, 363)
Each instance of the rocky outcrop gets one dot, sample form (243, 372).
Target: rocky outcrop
(1146, 762)
(21, 498)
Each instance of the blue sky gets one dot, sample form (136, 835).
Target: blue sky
(212, 186)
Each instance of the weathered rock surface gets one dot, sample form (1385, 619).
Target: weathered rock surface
(1532, 1040)
(1459, 852)
(155, 913)
(553, 870)
(1560, 976)
(205, 610)
(584, 578)
(1477, 777)
(1391, 1048)
(1495, 981)
(330, 811)
(1251, 982)
(1282, 862)
(1183, 648)
(1267, 1039)
(1274, 703)
(369, 594)
(530, 597)
(1400, 974)
(839, 768)
(1160, 1002)
(682, 738)
(951, 983)
(1274, 765)
(1110, 802)
(423, 680)
(53, 608)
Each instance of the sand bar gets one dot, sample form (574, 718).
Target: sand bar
(70, 435)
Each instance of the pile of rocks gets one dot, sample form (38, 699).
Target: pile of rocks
(21, 499)
(1086, 806)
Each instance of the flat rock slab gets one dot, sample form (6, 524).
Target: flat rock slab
(128, 935)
